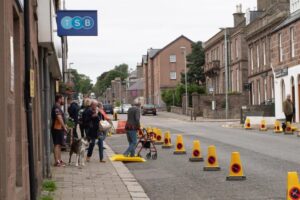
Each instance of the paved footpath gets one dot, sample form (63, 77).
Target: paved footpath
(104, 181)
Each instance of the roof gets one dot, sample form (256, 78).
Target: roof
(290, 19)
(138, 85)
(152, 52)
(133, 74)
(144, 59)
(182, 36)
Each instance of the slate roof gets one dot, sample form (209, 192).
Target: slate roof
(138, 85)
(292, 18)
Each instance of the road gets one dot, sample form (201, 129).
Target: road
(266, 158)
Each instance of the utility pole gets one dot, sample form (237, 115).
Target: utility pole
(185, 80)
(226, 72)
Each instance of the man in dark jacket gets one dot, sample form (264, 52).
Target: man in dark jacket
(73, 111)
(132, 125)
(288, 108)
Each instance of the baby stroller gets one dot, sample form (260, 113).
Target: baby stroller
(146, 142)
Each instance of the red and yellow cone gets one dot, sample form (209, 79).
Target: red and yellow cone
(212, 163)
(288, 129)
(179, 145)
(159, 138)
(236, 169)
(277, 127)
(293, 186)
(167, 141)
(196, 153)
(247, 124)
(263, 125)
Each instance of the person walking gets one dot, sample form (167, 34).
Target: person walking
(82, 117)
(58, 129)
(132, 126)
(93, 119)
(288, 108)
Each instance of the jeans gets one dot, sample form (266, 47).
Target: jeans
(91, 147)
(132, 140)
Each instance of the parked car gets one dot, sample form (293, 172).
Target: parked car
(125, 108)
(108, 108)
(117, 109)
(148, 109)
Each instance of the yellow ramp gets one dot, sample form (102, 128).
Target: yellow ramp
(122, 158)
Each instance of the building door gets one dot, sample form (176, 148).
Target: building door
(293, 96)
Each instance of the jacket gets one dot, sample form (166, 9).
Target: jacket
(288, 107)
(133, 119)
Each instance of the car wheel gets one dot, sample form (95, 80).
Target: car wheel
(154, 113)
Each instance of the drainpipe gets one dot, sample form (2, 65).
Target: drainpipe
(28, 100)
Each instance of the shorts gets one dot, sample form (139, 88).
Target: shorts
(58, 137)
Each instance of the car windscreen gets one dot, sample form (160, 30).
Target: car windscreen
(149, 106)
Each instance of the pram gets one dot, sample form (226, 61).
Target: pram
(146, 142)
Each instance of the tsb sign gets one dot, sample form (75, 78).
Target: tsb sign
(77, 23)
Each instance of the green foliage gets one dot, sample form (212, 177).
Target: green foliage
(104, 80)
(117, 103)
(46, 197)
(174, 96)
(49, 186)
(83, 84)
(196, 61)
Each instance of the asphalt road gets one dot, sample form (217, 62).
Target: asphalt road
(266, 158)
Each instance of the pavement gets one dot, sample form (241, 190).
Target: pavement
(105, 181)
(266, 158)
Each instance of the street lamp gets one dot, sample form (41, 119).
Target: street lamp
(226, 70)
(69, 70)
(185, 79)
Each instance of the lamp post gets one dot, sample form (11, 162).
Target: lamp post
(226, 70)
(185, 79)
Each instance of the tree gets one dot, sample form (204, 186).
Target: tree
(83, 84)
(196, 61)
(104, 80)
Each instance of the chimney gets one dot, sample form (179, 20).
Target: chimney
(239, 16)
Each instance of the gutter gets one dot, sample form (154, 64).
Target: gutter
(28, 100)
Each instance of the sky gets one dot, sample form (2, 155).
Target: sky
(127, 28)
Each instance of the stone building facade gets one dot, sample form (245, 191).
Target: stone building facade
(285, 59)
(269, 14)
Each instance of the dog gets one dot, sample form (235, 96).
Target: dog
(78, 147)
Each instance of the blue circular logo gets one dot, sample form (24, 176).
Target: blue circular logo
(88, 22)
(66, 22)
(77, 22)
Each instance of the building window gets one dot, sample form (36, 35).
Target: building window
(253, 93)
(173, 75)
(172, 58)
(251, 58)
(264, 54)
(294, 5)
(257, 56)
(292, 42)
(280, 47)
(232, 81)
(238, 80)
(282, 90)
(272, 87)
(265, 90)
(236, 49)
(258, 92)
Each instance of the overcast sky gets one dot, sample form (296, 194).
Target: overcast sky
(127, 28)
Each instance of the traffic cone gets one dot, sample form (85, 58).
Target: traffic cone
(179, 145)
(288, 130)
(159, 139)
(247, 124)
(167, 141)
(196, 154)
(263, 125)
(153, 134)
(212, 163)
(293, 186)
(277, 128)
(236, 169)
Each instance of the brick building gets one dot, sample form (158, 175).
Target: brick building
(285, 59)
(163, 68)
(214, 48)
(41, 59)
(259, 26)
